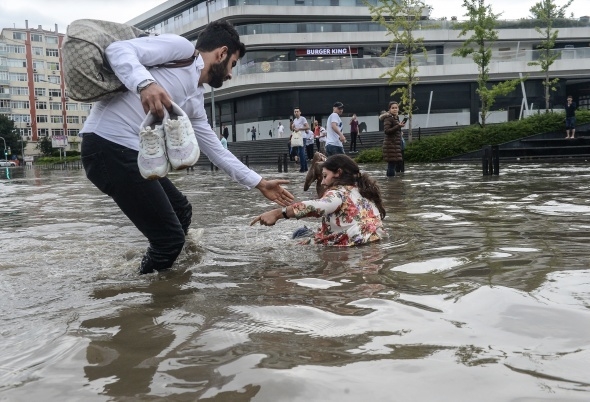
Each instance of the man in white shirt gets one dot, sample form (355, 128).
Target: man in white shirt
(335, 137)
(301, 126)
(111, 133)
(280, 129)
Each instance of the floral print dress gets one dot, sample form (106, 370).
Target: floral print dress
(348, 219)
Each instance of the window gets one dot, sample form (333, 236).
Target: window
(15, 49)
(57, 131)
(73, 132)
(86, 106)
(20, 118)
(55, 105)
(55, 92)
(43, 132)
(37, 51)
(41, 118)
(71, 106)
(40, 105)
(16, 63)
(38, 64)
(83, 119)
(54, 79)
(19, 90)
(36, 38)
(4, 76)
(51, 52)
(20, 105)
(57, 119)
(51, 40)
(40, 91)
(73, 119)
(19, 35)
(39, 77)
(17, 77)
(52, 65)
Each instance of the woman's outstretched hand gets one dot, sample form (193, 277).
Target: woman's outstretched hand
(268, 218)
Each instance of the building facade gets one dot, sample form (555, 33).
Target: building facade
(32, 88)
(311, 53)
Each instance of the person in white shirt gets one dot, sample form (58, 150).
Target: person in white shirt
(280, 129)
(301, 126)
(110, 135)
(335, 137)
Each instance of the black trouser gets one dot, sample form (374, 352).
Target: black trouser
(161, 212)
(353, 141)
(392, 168)
(309, 151)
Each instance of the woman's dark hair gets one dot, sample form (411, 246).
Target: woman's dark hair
(391, 103)
(217, 34)
(351, 176)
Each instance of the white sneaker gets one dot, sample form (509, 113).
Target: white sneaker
(181, 144)
(151, 160)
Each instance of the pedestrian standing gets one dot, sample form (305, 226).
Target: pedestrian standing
(335, 138)
(354, 130)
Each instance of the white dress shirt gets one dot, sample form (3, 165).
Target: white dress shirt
(118, 119)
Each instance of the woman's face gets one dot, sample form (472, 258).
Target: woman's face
(394, 109)
(328, 177)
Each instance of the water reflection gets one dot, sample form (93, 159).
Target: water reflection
(480, 293)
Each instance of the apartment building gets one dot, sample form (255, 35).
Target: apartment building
(32, 88)
(311, 53)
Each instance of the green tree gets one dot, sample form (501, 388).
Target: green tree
(10, 133)
(480, 24)
(401, 18)
(44, 146)
(546, 12)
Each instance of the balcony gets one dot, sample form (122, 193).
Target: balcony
(5, 110)
(4, 95)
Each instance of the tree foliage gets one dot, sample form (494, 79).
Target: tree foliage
(44, 146)
(11, 135)
(547, 12)
(480, 25)
(401, 18)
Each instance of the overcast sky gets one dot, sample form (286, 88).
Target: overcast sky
(47, 13)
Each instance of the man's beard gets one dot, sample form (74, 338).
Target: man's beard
(218, 73)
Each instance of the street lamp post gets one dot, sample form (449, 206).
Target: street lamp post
(5, 153)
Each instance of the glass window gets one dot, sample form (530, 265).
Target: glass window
(55, 105)
(86, 106)
(36, 38)
(73, 132)
(40, 91)
(19, 35)
(40, 105)
(52, 65)
(51, 52)
(20, 105)
(57, 119)
(18, 77)
(57, 131)
(71, 106)
(38, 64)
(73, 119)
(19, 49)
(43, 132)
(37, 51)
(19, 90)
(41, 118)
(55, 92)
(38, 77)
(51, 39)
(16, 63)
(54, 79)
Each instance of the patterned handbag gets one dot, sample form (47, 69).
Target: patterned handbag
(87, 73)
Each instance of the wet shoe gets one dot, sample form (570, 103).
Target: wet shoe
(151, 160)
(181, 144)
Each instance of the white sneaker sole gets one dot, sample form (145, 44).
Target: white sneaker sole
(156, 165)
(182, 147)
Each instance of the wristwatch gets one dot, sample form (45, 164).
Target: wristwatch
(284, 211)
(144, 84)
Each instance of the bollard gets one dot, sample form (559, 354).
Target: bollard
(486, 162)
(247, 161)
(285, 163)
(419, 132)
(280, 164)
(496, 160)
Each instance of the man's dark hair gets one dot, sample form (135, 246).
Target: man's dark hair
(218, 34)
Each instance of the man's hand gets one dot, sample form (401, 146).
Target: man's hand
(272, 190)
(154, 99)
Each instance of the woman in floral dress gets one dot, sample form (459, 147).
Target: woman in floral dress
(351, 208)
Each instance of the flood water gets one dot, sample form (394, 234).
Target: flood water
(481, 293)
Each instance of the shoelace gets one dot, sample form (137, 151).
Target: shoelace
(176, 134)
(150, 142)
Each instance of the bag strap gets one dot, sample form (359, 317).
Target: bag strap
(179, 63)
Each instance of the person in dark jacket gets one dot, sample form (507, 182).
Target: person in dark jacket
(392, 143)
